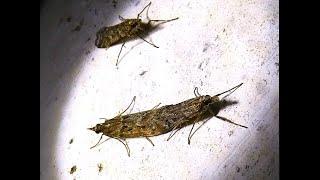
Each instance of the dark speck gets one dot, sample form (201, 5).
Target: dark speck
(78, 27)
(100, 167)
(73, 169)
(142, 73)
(114, 3)
(205, 48)
(69, 19)
(71, 141)
(224, 30)
(199, 66)
(238, 169)
(137, 3)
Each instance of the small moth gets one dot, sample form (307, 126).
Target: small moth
(73, 169)
(100, 167)
(169, 118)
(126, 30)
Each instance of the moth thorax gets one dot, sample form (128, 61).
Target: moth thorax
(215, 99)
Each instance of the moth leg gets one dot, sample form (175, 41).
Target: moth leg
(120, 53)
(99, 141)
(156, 106)
(125, 144)
(225, 119)
(148, 42)
(174, 131)
(150, 141)
(122, 18)
(133, 100)
(143, 10)
(196, 92)
(190, 136)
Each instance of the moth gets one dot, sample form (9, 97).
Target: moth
(73, 169)
(165, 119)
(126, 30)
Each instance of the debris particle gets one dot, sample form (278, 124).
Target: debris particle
(73, 169)
(71, 141)
(100, 167)
(230, 133)
(69, 19)
(78, 27)
(142, 73)
(238, 169)
(206, 46)
(114, 3)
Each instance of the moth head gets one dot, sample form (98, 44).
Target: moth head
(98, 128)
(134, 22)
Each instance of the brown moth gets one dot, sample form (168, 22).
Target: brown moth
(126, 30)
(73, 169)
(169, 118)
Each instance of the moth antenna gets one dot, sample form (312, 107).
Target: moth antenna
(196, 92)
(162, 20)
(227, 120)
(232, 90)
(144, 9)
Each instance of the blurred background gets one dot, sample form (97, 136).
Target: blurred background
(214, 45)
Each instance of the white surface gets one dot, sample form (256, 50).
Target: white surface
(214, 45)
